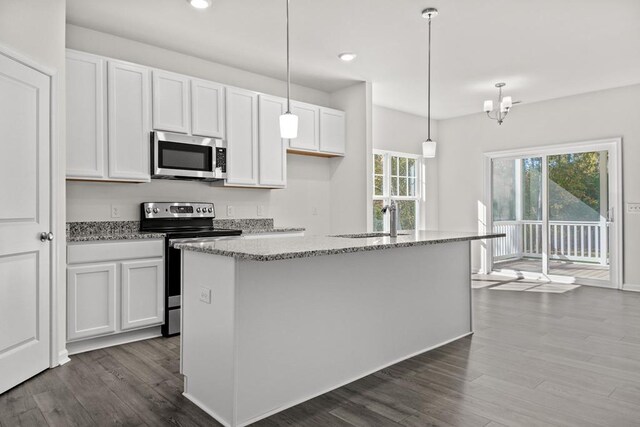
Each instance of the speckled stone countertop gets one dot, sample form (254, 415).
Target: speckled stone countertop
(302, 247)
(87, 231)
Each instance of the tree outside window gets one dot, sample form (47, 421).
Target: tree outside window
(396, 177)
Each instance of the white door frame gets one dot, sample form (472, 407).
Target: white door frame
(614, 148)
(57, 355)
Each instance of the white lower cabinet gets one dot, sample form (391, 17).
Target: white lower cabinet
(91, 300)
(119, 290)
(142, 290)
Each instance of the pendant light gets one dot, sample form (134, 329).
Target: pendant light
(429, 146)
(288, 121)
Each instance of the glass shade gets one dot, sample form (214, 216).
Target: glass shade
(429, 149)
(488, 106)
(506, 102)
(288, 126)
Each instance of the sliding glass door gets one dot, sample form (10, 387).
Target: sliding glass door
(556, 211)
(517, 212)
(579, 215)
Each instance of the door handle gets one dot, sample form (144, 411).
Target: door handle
(44, 236)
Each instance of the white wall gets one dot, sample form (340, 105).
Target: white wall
(399, 131)
(306, 200)
(351, 176)
(36, 29)
(591, 116)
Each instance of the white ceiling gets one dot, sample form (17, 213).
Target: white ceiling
(542, 49)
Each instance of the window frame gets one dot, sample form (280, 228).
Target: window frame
(386, 196)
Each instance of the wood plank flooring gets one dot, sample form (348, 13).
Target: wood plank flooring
(536, 359)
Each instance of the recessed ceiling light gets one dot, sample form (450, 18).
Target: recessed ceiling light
(200, 4)
(347, 56)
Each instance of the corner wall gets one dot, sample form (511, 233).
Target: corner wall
(351, 176)
(591, 116)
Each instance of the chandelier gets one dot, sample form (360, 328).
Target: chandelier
(504, 106)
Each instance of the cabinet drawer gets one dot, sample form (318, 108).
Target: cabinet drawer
(85, 252)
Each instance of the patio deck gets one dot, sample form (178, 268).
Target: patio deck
(565, 268)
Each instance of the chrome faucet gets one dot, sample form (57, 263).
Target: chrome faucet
(393, 218)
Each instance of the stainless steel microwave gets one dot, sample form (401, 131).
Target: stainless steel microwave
(177, 156)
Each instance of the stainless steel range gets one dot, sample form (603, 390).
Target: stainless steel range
(181, 222)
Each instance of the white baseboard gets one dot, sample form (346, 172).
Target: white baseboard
(631, 287)
(75, 347)
(63, 357)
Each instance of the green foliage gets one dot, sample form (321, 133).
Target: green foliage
(574, 187)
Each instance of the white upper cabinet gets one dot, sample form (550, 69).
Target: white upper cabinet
(128, 116)
(332, 131)
(86, 116)
(170, 102)
(207, 109)
(272, 165)
(242, 137)
(308, 127)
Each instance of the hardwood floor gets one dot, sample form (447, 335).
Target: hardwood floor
(569, 359)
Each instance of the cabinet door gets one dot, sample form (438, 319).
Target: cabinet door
(207, 109)
(332, 131)
(91, 298)
(170, 102)
(128, 105)
(142, 293)
(308, 127)
(242, 137)
(86, 116)
(272, 170)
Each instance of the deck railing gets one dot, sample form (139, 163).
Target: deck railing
(585, 241)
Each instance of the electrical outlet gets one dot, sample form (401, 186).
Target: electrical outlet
(260, 210)
(230, 211)
(115, 211)
(314, 211)
(633, 208)
(205, 295)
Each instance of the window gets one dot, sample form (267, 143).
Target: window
(396, 176)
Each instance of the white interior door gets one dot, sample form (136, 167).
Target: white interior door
(25, 214)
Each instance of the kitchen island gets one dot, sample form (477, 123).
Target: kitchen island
(268, 324)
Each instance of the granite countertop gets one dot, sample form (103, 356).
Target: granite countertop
(88, 231)
(273, 230)
(308, 246)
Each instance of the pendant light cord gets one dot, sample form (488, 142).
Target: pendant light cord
(288, 67)
(429, 87)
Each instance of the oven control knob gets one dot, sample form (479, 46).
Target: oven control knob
(198, 210)
(210, 210)
(156, 210)
(148, 210)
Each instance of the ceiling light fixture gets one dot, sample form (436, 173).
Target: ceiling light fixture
(429, 146)
(288, 121)
(347, 56)
(200, 4)
(504, 102)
